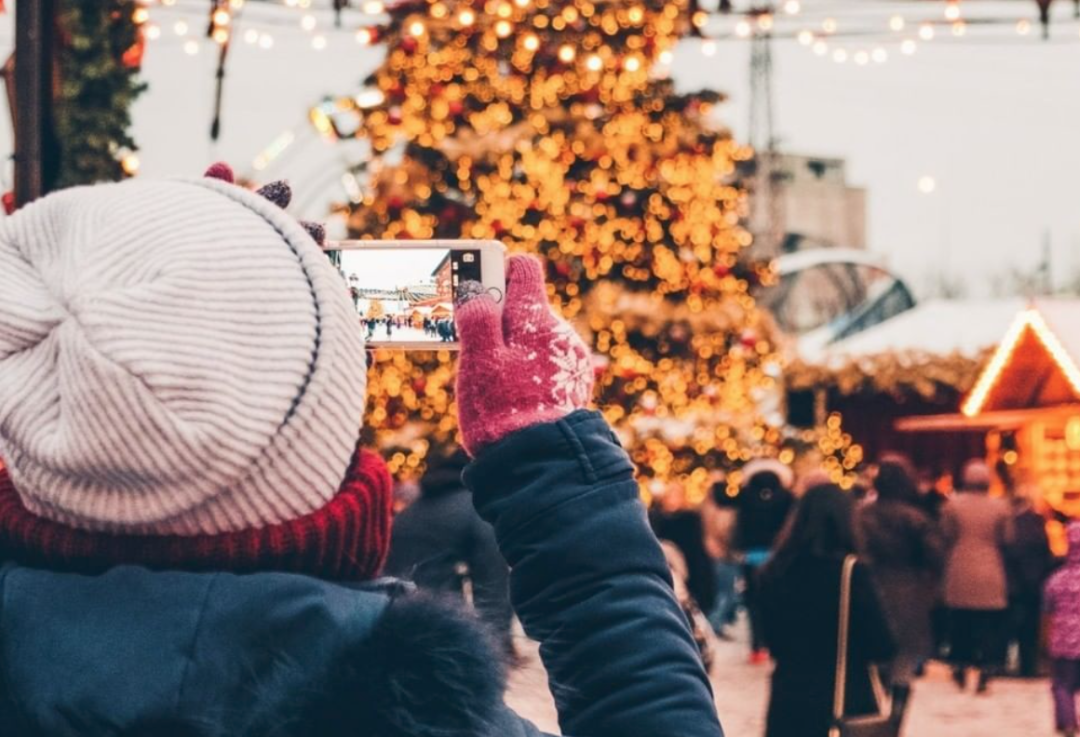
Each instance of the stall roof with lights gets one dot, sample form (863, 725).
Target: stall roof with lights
(1036, 363)
(1035, 367)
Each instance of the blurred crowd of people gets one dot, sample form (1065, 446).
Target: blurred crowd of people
(955, 575)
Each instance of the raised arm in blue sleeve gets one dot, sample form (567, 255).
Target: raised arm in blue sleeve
(589, 582)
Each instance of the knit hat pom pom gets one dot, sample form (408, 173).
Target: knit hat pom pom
(279, 192)
(220, 170)
(317, 231)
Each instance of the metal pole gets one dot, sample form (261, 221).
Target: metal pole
(35, 159)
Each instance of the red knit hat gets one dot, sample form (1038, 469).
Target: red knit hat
(346, 540)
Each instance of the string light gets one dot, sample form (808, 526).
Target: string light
(503, 29)
(365, 36)
(879, 55)
(632, 64)
(140, 15)
(567, 53)
(927, 184)
(1023, 27)
(191, 48)
(806, 37)
(829, 25)
(908, 47)
(153, 32)
(417, 29)
(821, 48)
(959, 28)
(220, 36)
(896, 23)
(308, 22)
(765, 22)
(530, 42)
(708, 48)
(221, 17)
(792, 7)
(318, 43)
(840, 56)
(926, 32)
(743, 29)
(236, 4)
(594, 63)
(130, 164)
(373, 7)
(180, 28)
(952, 10)
(862, 58)
(266, 41)
(665, 57)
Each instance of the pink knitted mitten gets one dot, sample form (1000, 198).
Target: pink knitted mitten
(520, 365)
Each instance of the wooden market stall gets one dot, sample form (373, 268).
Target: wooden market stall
(1027, 401)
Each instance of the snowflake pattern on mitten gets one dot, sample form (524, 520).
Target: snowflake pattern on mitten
(520, 366)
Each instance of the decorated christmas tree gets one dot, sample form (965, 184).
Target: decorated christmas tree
(551, 125)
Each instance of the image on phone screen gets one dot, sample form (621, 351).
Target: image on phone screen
(407, 296)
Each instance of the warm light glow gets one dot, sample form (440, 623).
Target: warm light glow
(318, 43)
(896, 23)
(926, 32)
(191, 48)
(180, 28)
(220, 36)
(266, 41)
(952, 10)
(130, 164)
(566, 53)
(765, 22)
(236, 4)
(861, 58)
(699, 19)
(632, 64)
(792, 7)
(635, 15)
(221, 17)
(1023, 27)
(503, 28)
(879, 55)
(829, 25)
(927, 184)
(908, 47)
(708, 48)
(806, 37)
(665, 57)
(153, 32)
(530, 42)
(140, 15)
(594, 63)
(743, 29)
(365, 36)
(308, 22)
(959, 28)
(1029, 319)
(373, 7)
(839, 56)
(416, 28)
(821, 48)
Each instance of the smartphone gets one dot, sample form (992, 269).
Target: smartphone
(404, 291)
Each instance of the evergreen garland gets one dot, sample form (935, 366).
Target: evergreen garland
(93, 102)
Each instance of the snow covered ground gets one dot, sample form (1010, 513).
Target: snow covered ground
(1012, 708)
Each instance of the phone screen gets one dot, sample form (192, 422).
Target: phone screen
(407, 295)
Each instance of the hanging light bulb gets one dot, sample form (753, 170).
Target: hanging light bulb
(220, 17)
(220, 36)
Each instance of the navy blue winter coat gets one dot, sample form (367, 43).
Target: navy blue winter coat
(135, 652)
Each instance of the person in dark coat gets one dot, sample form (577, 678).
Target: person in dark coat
(906, 554)
(978, 530)
(440, 543)
(672, 521)
(193, 545)
(1028, 561)
(764, 503)
(800, 608)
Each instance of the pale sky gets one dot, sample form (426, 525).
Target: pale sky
(377, 269)
(993, 118)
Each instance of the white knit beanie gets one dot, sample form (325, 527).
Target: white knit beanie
(175, 358)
